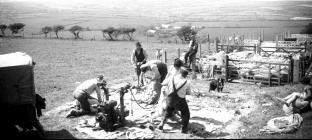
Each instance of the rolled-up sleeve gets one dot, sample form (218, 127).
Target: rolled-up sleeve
(133, 60)
(188, 88)
(156, 74)
(145, 55)
(98, 93)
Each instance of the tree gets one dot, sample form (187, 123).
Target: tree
(46, 30)
(307, 29)
(75, 30)
(127, 31)
(16, 27)
(57, 28)
(109, 31)
(2, 28)
(185, 33)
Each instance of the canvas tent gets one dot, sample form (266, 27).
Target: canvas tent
(16, 79)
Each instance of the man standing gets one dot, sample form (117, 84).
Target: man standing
(159, 71)
(179, 87)
(173, 71)
(190, 56)
(83, 92)
(138, 57)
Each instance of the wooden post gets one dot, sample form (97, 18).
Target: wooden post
(199, 50)
(262, 34)
(226, 68)
(276, 41)
(279, 73)
(300, 67)
(269, 74)
(165, 56)
(290, 70)
(208, 44)
(228, 44)
(255, 48)
(259, 49)
(178, 50)
(216, 46)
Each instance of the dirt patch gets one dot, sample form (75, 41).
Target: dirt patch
(213, 115)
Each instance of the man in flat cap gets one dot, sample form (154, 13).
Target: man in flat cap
(83, 92)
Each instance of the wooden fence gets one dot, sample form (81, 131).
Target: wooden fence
(231, 72)
(227, 48)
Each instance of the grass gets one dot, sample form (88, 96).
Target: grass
(62, 63)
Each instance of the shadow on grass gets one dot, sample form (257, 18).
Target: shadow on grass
(211, 120)
(199, 130)
(60, 134)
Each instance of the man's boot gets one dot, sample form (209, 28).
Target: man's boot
(184, 130)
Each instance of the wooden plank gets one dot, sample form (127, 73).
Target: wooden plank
(259, 62)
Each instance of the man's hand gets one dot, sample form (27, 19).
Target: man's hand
(100, 102)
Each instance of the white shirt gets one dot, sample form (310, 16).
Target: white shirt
(178, 81)
(172, 72)
(89, 87)
(133, 58)
(155, 73)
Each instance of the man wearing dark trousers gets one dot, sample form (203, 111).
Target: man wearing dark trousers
(178, 86)
(138, 57)
(190, 56)
(158, 74)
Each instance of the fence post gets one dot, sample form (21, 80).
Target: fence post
(270, 75)
(178, 50)
(199, 50)
(208, 44)
(255, 48)
(165, 56)
(276, 41)
(279, 73)
(262, 34)
(226, 68)
(216, 46)
(292, 70)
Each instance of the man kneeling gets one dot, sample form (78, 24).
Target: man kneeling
(83, 92)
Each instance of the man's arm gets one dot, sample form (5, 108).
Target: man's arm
(171, 68)
(133, 60)
(98, 93)
(188, 88)
(156, 74)
(194, 49)
(308, 94)
(145, 55)
(165, 82)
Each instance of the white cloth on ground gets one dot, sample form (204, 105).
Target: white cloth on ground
(283, 124)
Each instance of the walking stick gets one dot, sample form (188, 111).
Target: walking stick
(131, 108)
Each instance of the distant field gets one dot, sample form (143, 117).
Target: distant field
(220, 17)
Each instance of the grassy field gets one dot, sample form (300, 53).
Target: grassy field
(62, 63)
